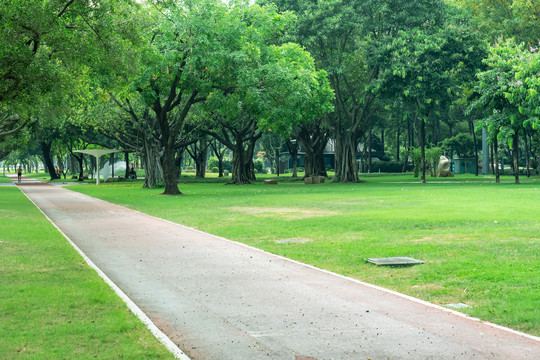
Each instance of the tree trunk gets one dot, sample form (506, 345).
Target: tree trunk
(198, 152)
(220, 165)
(397, 143)
(79, 159)
(277, 161)
(423, 150)
(496, 164)
(126, 159)
(60, 163)
(314, 145)
(471, 127)
(293, 150)
(382, 139)
(152, 165)
(46, 150)
(492, 161)
(170, 179)
(348, 169)
(526, 153)
(369, 149)
(240, 168)
(515, 154)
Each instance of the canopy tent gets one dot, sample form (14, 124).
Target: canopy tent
(97, 153)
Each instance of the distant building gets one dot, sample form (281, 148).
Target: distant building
(463, 165)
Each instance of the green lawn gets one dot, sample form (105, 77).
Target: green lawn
(480, 241)
(52, 304)
(4, 179)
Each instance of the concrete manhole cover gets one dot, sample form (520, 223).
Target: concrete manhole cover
(394, 261)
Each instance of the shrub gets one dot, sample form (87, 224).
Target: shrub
(389, 166)
(213, 162)
(214, 169)
(258, 165)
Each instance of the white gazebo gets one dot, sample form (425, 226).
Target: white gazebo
(97, 153)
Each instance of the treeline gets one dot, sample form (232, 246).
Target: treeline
(166, 79)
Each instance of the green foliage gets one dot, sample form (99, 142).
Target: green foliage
(427, 65)
(433, 155)
(213, 162)
(47, 47)
(259, 166)
(505, 19)
(509, 89)
(462, 144)
(389, 166)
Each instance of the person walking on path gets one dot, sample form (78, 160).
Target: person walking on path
(19, 173)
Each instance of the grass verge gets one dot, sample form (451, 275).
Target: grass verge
(480, 241)
(52, 305)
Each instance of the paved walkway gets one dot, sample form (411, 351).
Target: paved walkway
(221, 300)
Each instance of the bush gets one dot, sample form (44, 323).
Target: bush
(213, 162)
(259, 166)
(214, 169)
(389, 166)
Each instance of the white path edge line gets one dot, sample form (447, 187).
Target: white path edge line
(425, 303)
(164, 339)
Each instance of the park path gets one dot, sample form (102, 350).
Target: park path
(221, 300)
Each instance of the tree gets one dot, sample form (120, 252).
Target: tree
(281, 89)
(342, 36)
(505, 19)
(10, 123)
(428, 65)
(46, 45)
(272, 144)
(462, 144)
(508, 94)
(212, 50)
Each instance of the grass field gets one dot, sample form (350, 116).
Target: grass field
(480, 241)
(52, 304)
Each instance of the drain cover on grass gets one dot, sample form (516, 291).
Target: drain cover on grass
(394, 261)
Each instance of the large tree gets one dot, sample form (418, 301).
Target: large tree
(508, 94)
(282, 90)
(341, 35)
(505, 19)
(428, 65)
(205, 49)
(45, 45)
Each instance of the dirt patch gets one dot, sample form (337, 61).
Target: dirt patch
(292, 241)
(284, 212)
(445, 239)
(427, 287)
